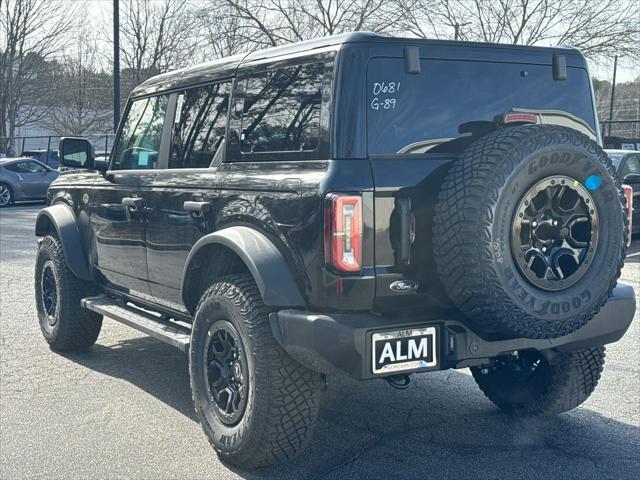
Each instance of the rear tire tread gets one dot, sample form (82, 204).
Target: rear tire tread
(574, 376)
(292, 389)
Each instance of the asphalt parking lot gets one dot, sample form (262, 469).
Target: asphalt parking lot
(123, 409)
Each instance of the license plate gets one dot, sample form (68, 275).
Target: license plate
(402, 350)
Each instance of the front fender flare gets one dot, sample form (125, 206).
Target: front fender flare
(63, 220)
(263, 260)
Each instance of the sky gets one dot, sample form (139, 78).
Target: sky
(99, 10)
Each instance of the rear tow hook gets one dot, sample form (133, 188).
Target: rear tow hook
(399, 381)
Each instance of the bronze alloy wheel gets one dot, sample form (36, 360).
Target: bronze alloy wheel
(555, 233)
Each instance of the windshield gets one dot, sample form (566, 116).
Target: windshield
(412, 113)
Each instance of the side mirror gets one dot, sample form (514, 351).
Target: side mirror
(76, 153)
(631, 178)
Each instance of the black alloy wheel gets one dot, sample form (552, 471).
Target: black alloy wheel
(226, 372)
(49, 292)
(555, 233)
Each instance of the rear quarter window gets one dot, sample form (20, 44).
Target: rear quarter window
(282, 109)
(406, 113)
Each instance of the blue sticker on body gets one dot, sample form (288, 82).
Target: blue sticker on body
(593, 182)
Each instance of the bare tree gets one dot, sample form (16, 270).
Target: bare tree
(31, 33)
(275, 22)
(598, 27)
(81, 96)
(226, 33)
(156, 36)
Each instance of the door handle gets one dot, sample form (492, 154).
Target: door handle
(198, 208)
(133, 203)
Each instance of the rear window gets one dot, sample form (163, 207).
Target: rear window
(411, 113)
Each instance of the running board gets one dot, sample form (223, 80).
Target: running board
(163, 330)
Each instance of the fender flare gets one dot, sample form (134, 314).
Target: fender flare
(64, 221)
(263, 260)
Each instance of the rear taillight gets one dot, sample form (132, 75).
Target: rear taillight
(628, 193)
(519, 118)
(343, 232)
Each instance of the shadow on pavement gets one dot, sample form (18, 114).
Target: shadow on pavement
(156, 368)
(440, 427)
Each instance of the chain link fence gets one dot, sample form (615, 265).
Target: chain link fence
(45, 147)
(621, 134)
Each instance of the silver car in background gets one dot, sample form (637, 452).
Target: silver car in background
(627, 165)
(24, 179)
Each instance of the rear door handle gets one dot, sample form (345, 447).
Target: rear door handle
(197, 207)
(133, 203)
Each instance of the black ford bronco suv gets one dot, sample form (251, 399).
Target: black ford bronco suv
(359, 204)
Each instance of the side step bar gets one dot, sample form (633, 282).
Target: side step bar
(163, 330)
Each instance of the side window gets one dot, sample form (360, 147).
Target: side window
(282, 109)
(17, 167)
(631, 165)
(34, 167)
(26, 167)
(139, 142)
(199, 126)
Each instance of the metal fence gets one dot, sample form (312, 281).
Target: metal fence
(620, 128)
(15, 146)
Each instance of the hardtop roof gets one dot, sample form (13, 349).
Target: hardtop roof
(227, 66)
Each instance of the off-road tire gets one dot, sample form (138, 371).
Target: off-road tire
(75, 328)
(473, 223)
(284, 396)
(559, 385)
(10, 200)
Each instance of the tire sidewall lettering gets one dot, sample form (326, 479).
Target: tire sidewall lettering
(537, 304)
(227, 437)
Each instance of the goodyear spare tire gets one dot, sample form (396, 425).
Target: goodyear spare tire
(529, 231)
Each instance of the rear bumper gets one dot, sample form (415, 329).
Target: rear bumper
(330, 343)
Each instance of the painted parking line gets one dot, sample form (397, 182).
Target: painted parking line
(633, 254)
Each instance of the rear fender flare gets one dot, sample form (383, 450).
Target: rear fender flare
(62, 219)
(263, 260)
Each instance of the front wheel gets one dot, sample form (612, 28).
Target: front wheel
(6, 195)
(255, 403)
(64, 323)
(531, 384)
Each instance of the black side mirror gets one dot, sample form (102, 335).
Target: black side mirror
(631, 178)
(76, 153)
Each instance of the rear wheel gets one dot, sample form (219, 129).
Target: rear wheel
(64, 323)
(255, 403)
(6, 195)
(530, 384)
(529, 231)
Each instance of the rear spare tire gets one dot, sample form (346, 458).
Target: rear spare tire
(529, 231)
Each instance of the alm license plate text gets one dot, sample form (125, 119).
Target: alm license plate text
(403, 350)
